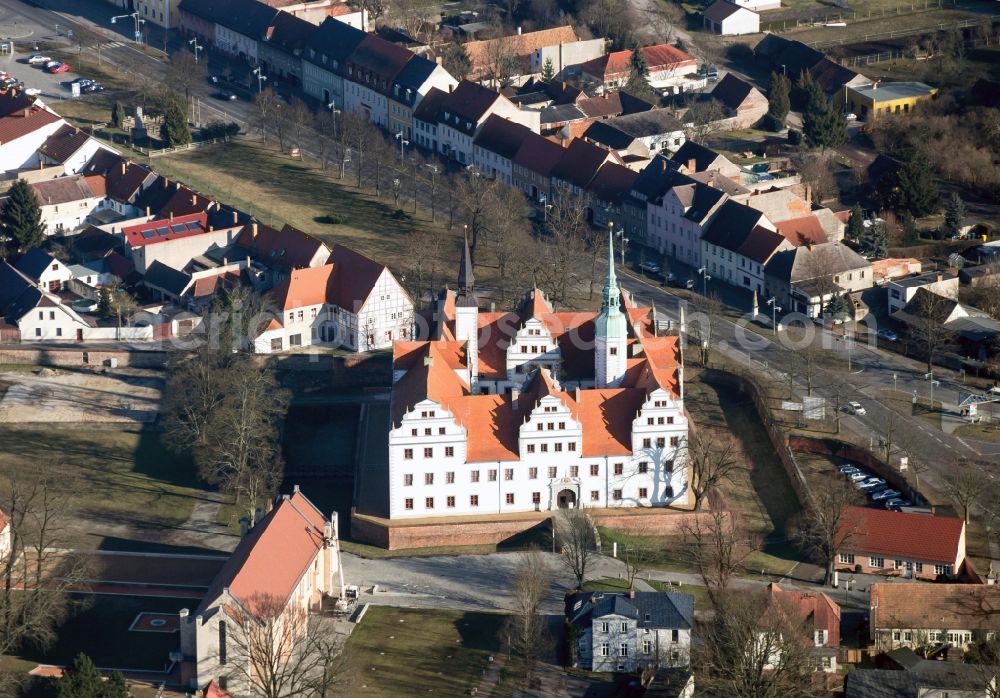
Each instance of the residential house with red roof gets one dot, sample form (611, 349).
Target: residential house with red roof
(932, 616)
(817, 614)
(25, 125)
(533, 164)
(70, 147)
(464, 110)
(67, 202)
(281, 250)
(285, 568)
(351, 301)
(578, 166)
(901, 544)
(535, 409)
(667, 66)
(509, 57)
(371, 70)
(176, 240)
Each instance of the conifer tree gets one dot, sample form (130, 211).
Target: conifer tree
(874, 242)
(838, 307)
(21, 218)
(117, 115)
(638, 81)
(855, 224)
(81, 680)
(911, 187)
(778, 98)
(175, 127)
(821, 124)
(954, 214)
(548, 70)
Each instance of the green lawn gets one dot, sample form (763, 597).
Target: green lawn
(109, 478)
(410, 652)
(100, 628)
(700, 593)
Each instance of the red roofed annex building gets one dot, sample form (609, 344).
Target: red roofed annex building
(286, 566)
(901, 544)
(665, 63)
(820, 617)
(350, 301)
(535, 409)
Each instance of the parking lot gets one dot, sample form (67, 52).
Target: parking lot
(817, 468)
(53, 86)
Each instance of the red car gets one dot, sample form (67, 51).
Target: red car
(61, 68)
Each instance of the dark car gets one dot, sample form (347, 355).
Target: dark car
(226, 95)
(683, 283)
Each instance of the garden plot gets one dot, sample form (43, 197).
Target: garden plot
(55, 395)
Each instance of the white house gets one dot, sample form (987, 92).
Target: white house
(494, 147)
(70, 147)
(351, 301)
(286, 568)
(175, 241)
(805, 278)
(324, 61)
(409, 88)
(25, 125)
(371, 70)
(5, 534)
(67, 202)
(630, 632)
(902, 291)
(737, 245)
(45, 270)
(566, 57)
(39, 314)
(464, 110)
(536, 410)
(730, 19)
(675, 220)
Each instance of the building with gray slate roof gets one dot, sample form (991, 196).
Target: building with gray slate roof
(628, 632)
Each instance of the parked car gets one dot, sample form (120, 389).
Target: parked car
(649, 267)
(887, 334)
(885, 494)
(854, 408)
(851, 117)
(870, 484)
(845, 467)
(59, 68)
(896, 504)
(226, 96)
(32, 91)
(995, 389)
(683, 283)
(93, 87)
(39, 59)
(858, 476)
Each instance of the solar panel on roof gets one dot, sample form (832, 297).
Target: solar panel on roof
(177, 228)
(162, 231)
(147, 234)
(193, 226)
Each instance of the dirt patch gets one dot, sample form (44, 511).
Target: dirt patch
(53, 395)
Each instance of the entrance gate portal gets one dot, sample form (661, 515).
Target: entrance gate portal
(567, 499)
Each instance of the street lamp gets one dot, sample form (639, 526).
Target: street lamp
(135, 16)
(775, 309)
(258, 71)
(402, 142)
(395, 191)
(434, 173)
(705, 278)
(197, 47)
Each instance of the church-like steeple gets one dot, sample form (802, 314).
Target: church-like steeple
(610, 328)
(466, 295)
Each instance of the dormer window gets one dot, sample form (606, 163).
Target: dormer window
(324, 58)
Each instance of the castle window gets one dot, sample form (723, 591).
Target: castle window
(619, 468)
(613, 351)
(408, 480)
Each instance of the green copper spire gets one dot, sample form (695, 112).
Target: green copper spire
(611, 322)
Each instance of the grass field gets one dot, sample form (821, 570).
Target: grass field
(864, 30)
(407, 652)
(277, 190)
(700, 593)
(111, 479)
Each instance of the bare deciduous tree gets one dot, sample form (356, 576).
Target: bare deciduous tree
(824, 527)
(714, 458)
(718, 546)
(268, 106)
(280, 650)
(36, 572)
(575, 537)
(183, 73)
(929, 313)
(525, 628)
(754, 648)
(966, 484)
(423, 247)
(636, 558)
(299, 117)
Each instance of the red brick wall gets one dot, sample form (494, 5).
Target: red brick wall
(657, 522)
(438, 534)
(80, 357)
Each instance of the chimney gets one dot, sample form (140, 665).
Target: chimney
(631, 592)
(248, 261)
(124, 165)
(576, 394)
(183, 613)
(199, 620)
(177, 186)
(519, 31)
(235, 217)
(211, 228)
(171, 215)
(940, 277)
(514, 395)
(295, 489)
(244, 526)
(253, 229)
(258, 514)
(663, 165)
(225, 261)
(148, 212)
(692, 165)
(166, 183)
(428, 361)
(451, 88)
(194, 199)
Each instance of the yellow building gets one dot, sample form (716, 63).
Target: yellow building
(871, 101)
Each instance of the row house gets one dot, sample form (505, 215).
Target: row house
(677, 218)
(235, 27)
(162, 13)
(533, 166)
(496, 145)
(371, 68)
(350, 301)
(281, 50)
(418, 78)
(738, 243)
(654, 180)
(285, 569)
(607, 192)
(124, 182)
(325, 58)
(578, 166)
(536, 410)
(464, 110)
(279, 250)
(631, 632)
(926, 617)
(901, 544)
(67, 202)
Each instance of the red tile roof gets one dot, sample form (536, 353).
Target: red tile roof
(164, 229)
(482, 53)
(581, 161)
(304, 287)
(288, 248)
(60, 146)
(806, 230)
(538, 154)
(273, 556)
(21, 123)
(347, 280)
(936, 606)
(814, 608)
(901, 535)
(618, 64)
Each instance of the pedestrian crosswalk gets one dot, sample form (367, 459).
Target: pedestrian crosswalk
(113, 44)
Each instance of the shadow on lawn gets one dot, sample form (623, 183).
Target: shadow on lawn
(480, 631)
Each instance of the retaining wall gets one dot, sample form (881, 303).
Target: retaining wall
(83, 357)
(398, 537)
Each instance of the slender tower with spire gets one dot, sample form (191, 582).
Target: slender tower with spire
(467, 315)
(610, 329)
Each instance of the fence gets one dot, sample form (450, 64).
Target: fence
(181, 148)
(820, 17)
(883, 56)
(900, 33)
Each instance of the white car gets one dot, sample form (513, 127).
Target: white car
(854, 408)
(32, 91)
(851, 117)
(38, 59)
